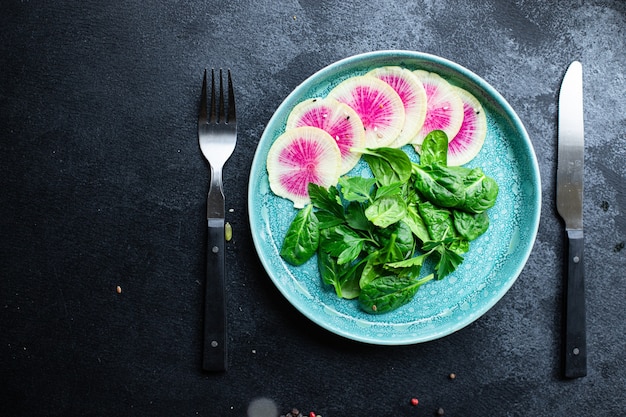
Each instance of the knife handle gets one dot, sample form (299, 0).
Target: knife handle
(215, 347)
(575, 349)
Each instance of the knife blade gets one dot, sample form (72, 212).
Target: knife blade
(569, 203)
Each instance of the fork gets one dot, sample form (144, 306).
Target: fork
(217, 135)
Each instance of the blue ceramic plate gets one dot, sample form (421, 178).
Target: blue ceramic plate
(490, 267)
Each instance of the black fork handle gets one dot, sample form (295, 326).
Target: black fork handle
(215, 342)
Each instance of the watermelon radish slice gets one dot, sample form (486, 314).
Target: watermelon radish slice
(338, 120)
(377, 104)
(468, 142)
(413, 96)
(300, 156)
(444, 107)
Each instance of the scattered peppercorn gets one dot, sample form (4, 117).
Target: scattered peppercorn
(311, 414)
(414, 401)
(452, 376)
(118, 289)
(440, 411)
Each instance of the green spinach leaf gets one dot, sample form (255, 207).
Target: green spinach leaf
(440, 185)
(302, 238)
(408, 267)
(393, 189)
(415, 223)
(357, 188)
(438, 220)
(386, 211)
(372, 270)
(389, 292)
(389, 165)
(343, 278)
(434, 149)
(396, 243)
(342, 242)
(356, 218)
(481, 191)
(470, 225)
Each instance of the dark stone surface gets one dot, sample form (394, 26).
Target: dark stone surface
(103, 185)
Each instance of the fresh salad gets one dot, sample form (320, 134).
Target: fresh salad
(372, 235)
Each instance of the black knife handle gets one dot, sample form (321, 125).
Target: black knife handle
(215, 347)
(575, 349)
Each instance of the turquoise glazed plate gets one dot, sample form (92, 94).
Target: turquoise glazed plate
(490, 268)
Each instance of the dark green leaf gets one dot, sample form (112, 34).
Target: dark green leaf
(327, 219)
(448, 262)
(438, 221)
(302, 238)
(397, 242)
(326, 199)
(389, 190)
(458, 245)
(355, 217)
(434, 149)
(350, 282)
(329, 270)
(408, 267)
(341, 242)
(440, 185)
(343, 278)
(470, 225)
(356, 188)
(350, 253)
(386, 211)
(371, 271)
(416, 224)
(388, 165)
(387, 293)
(481, 191)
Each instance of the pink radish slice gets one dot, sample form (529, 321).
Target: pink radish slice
(377, 104)
(338, 120)
(468, 142)
(300, 156)
(413, 96)
(444, 107)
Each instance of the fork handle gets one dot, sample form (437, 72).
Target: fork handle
(215, 346)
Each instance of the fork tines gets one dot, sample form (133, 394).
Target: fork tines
(217, 114)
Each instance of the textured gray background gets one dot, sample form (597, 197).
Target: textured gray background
(102, 184)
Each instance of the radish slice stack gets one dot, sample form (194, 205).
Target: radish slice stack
(377, 104)
(444, 107)
(471, 136)
(339, 120)
(413, 96)
(388, 106)
(301, 156)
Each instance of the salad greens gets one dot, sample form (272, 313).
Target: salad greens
(373, 235)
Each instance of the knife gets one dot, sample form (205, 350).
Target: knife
(569, 203)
